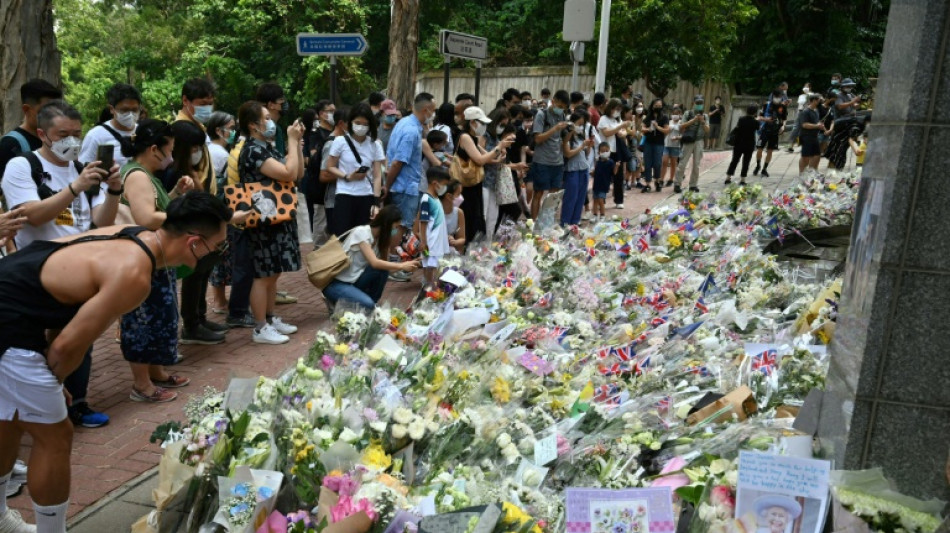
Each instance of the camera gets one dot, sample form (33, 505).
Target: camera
(570, 127)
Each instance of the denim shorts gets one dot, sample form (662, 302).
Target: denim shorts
(600, 195)
(548, 177)
(408, 205)
(672, 151)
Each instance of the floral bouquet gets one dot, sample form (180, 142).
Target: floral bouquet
(246, 498)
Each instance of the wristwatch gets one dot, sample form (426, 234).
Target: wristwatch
(116, 193)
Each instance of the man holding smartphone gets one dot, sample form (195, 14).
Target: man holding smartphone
(125, 103)
(59, 202)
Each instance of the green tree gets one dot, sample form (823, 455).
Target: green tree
(664, 41)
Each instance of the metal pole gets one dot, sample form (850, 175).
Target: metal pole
(602, 46)
(478, 79)
(333, 79)
(445, 86)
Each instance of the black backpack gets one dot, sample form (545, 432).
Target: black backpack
(38, 175)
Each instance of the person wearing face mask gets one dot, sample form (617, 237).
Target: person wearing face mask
(454, 217)
(221, 129)
(433, 233)
(716, 112)
(275, 248)
(547, 165)
(471, 147)
(271, 95)
(695, 129)
(365, 279)
(313, 188)
(389, 115)
(356, 191)
(835, 84)
(60, 202)
(500, 120)
(577, 148)
(197, 99)
(797, 130)
(672, 146)
(613, 130)
(125, 106)
(655, 128)
(34, 94)
(772, 122)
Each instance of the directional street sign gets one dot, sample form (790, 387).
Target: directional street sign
(331, 44)
(462, 45)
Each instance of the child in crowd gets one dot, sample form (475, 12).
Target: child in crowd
(604, 171)
(437, 140)
(433, 232)
(671, 152)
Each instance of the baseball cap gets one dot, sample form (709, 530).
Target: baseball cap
(847, 82)
(388, 107)
(476, 113)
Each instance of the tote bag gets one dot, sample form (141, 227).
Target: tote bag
(327, 262)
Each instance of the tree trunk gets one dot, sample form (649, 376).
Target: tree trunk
(29, 51)
(403, 51)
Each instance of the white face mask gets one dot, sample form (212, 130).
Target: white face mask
(640, 110)
(440, 190)
(67, 148)
(480, 129)
(127, 120)
(499, 130)
(166, 160)
(615, 115)
(457, 202)
(328, 118)
(806, 90)
(360, 130)
(603, 155)
(675, 118)
(196, 158)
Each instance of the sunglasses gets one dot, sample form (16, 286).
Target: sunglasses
(220, 248)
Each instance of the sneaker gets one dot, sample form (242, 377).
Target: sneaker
(201, 335)
(12, 522)
(765, 173)
(791, 150)
(728, 180)
(282, 327)
(215, 326)
(618, 206)
(179, 357)
(668, 183)
(756, 171)
(284, 298)
(159, 396)
(269, 335)
(14, 486)
(677, 189)
(400, 276)
(19, 469)
(82, 415)
(585, 216)
(694, 189)
(246, 321)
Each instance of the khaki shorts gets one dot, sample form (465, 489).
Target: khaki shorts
(29, 389)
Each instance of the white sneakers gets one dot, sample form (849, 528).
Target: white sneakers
(282, 327)
(12, 522)
(269, 335)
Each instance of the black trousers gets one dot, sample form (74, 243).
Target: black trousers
(194, 305)
(351, 211)
(618, 179)
(746, 155)
(242, 273)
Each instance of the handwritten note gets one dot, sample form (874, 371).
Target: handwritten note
(545, 450)
(454, 278)
(792, 476)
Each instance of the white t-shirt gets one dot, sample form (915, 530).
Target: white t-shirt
(351, 246)
(673, 139)
(369, 150)
(219, 158)
(98, 136)
(607, 123)
(19, 188)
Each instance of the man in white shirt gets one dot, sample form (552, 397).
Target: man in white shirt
(66, 202)
(125, 103)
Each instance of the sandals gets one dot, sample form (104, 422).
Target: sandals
(159, 396)
(173, 382)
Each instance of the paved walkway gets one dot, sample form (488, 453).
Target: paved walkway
(113, 466)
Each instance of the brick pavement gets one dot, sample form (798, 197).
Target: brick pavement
(107, 458)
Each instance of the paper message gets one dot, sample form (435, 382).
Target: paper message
(792, 476)
(646, 510)
(545, 450)
(502, 335)
(454, 278)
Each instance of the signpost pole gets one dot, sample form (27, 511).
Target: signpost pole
(478, 79)
(445, 83)
(602, 46)
(333, 79)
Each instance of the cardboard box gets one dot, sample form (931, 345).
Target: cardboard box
(740, 402)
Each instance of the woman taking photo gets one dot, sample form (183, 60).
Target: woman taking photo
(356, 160)
(363, 282)
(577, 148)
(470, 149)
(149, 335)
(274, 248)
(613, 131)
(655, 128)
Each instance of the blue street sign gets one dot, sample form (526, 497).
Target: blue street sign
(331, 44)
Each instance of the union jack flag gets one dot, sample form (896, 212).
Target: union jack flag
(629, 300)
(699, 370)
(625, 353)
(560, 333)
(591, 253)
(510, 280)
(641, 366)
(765, 362)
(775, 229)
(624, 250)
(545, 300)
(658, 321)
(610, 370)
(664, 403)
(604, 352)
(625, 224)
(642, 244)
(701, 305)
(708, 283)
(606, 391)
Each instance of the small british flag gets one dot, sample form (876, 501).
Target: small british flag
(591, 253)
(625, 223)
(510, 280)
(545, 301)
(624, 353)
(642, 244)
(604, 352)
(664, 403)
(606, 391)
(708, 283)
(624, 250)
(658, 321)
(560, 333)
(701, 305)
(699, 370)
(609, 370)
(641, 366)
(629, 300)
(765, 362)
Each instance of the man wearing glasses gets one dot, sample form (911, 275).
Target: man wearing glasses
(79, 285)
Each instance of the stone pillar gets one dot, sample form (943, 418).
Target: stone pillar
(888, 401)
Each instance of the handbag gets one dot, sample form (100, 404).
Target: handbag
(270, 202)
(731, 138)
(469, 173)
(327, 262)
(505, 188)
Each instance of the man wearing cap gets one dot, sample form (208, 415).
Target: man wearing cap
(694, 128)
(773, 513)
(390, 115)
(846, 103)
(547, 167)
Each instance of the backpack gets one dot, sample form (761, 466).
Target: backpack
(44, 190)
(24, 144)
(233, 170)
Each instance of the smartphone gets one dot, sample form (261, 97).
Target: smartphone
(362, 170)
(104, 154)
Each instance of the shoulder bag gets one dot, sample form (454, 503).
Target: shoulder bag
(271, 202)
(469, 173)
(327, 262)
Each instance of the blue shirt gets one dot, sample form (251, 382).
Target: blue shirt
(603, 174)
(405, 146)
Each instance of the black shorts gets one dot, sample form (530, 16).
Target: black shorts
(767, 140)
(810, 147)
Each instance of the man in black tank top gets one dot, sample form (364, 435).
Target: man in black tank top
(80, 285)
